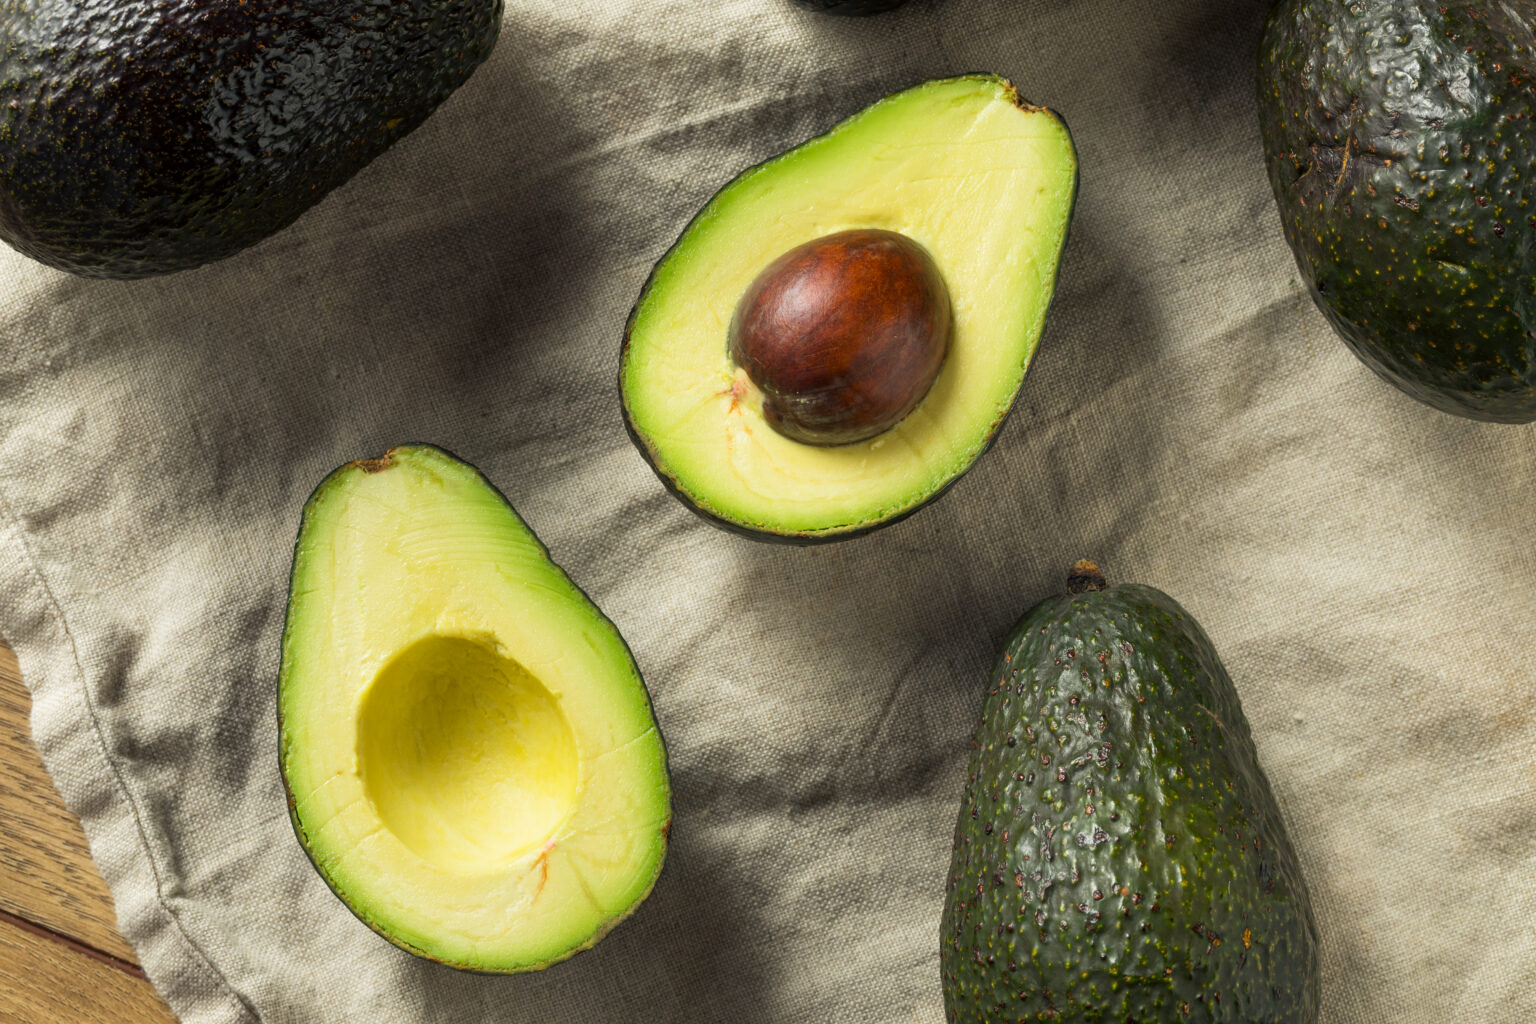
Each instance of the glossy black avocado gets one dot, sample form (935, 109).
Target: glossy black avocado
(856, 8)
(1402, 149)
(141, 137)
(1119, 855)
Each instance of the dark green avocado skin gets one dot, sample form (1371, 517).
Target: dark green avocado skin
(856, 8)
(141, 137)
(1119, 855)
(1401, 147)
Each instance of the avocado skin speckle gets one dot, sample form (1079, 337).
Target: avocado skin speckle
(1119, 855)
(1400, 145)
(140, 137)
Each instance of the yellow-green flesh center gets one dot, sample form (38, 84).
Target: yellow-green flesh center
(466, 756)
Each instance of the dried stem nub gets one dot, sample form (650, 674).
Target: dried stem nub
(1085, 576)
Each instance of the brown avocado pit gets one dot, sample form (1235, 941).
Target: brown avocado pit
(844, 335)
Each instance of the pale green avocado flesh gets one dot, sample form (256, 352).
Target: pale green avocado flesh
(470, 754)
(984, 182)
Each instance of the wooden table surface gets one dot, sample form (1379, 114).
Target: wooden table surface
(62, 960)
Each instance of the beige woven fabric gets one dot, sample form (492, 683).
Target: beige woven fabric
(1364, 564)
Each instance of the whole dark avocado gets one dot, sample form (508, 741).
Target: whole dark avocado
(141, 137)
(855, 8)
(1119, 855)
(1401, 145)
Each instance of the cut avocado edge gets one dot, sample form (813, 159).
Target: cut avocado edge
(466, 967)
(334, 878)
(770, 535)
(887, 515)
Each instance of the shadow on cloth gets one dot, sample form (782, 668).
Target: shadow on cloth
(687, 953)
(1213, 38)
(901, 634)
(438, 268)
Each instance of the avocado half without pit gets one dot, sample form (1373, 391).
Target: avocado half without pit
(839, 333)
(470, 755)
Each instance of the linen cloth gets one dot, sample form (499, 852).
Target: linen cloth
(1364, 564)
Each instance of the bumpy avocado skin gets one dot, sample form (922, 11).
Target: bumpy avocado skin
(856, 8)
(1119, 855)
(141, 137)
(1400, 143)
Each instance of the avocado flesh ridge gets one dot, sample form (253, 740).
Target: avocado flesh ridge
(472, 757)
(985, 185)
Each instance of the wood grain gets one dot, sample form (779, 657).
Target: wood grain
(46, 981)
(46, 872)
(62, 960)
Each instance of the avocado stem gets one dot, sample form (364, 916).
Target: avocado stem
(1085, 576)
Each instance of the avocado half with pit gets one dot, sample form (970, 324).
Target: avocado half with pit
(470, 755)
(839, 333)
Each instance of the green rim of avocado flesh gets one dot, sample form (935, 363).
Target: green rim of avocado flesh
(471, 759)
(982, 181)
